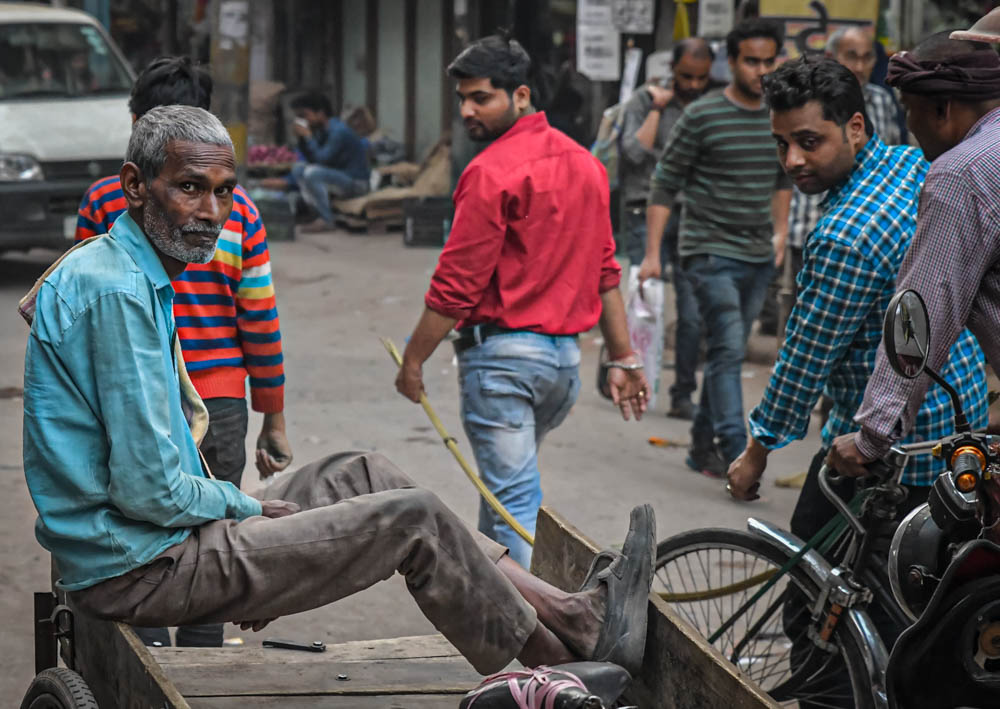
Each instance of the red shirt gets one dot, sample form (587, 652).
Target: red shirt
(531, 246)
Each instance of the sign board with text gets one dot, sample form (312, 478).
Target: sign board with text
(633, 16)
(598, 43)
(715, 18)
(808, 24)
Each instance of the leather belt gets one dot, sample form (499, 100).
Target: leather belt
(478, 334)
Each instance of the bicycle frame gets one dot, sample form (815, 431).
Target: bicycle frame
(845, 597)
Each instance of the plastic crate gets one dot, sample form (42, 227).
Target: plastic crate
(427, 221)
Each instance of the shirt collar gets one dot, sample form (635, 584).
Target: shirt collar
(864, 163)
(130, 237)
(531, 123)
(991, 117)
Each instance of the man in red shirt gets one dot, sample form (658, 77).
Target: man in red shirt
(529, 265)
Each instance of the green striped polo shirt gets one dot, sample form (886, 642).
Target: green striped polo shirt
(722, 158)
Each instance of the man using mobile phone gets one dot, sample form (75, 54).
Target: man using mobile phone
(336, 160)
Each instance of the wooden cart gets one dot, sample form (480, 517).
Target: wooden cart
(680, 670)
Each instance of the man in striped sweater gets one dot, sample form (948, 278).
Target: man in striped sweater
(225, 311)
(733, 230)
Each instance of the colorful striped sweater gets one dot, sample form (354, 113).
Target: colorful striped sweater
(225, 311)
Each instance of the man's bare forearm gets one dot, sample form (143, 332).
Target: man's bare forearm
(657, 217)
(646, 135)
(780, 206)
(431, 329)
(613, 324)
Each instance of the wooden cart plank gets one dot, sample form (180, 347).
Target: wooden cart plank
(433, 675)
(415, 646)
(395, 701)
(119, 668)
(680, 668)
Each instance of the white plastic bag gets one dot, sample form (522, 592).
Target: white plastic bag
(644, 312)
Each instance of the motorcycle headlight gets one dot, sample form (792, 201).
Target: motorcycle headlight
(917, 558)
(19, 168)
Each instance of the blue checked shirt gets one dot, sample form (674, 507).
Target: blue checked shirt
(851, 260)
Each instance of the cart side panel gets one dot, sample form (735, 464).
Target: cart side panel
(119, 669)
(680, 668)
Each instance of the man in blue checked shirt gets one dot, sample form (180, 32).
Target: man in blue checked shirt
(825, 142)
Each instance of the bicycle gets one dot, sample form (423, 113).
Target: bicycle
(823, 648)
(730, 585)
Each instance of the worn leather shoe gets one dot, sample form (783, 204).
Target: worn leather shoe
(628, 578)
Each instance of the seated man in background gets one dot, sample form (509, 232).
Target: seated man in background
(141, 533)
(225, 310)
(336, 160)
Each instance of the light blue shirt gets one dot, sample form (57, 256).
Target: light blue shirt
(109, 458)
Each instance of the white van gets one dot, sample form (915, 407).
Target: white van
(64, 119)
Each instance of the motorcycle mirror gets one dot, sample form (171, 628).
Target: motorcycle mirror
(906, 334)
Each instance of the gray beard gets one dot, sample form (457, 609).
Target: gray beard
(170, 241)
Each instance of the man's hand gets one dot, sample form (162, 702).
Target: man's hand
(278, 508)
(273, 450)
(254, 625)
(661, 96)
(301, 129)
(628, 389)
(410, 381)
(745, 472)
(780, 242)
(845, 458)
(650, 268)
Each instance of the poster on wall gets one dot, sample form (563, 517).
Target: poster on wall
(598, 44)
(715, 18)
(633, 16)
(809, 24)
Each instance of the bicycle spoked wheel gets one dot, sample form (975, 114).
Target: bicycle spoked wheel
(707, 575)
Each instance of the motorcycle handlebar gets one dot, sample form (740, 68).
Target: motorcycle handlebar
(967, 463)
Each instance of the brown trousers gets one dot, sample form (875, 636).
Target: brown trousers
(362, 520)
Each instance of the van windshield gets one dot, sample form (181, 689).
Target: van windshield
(60, 60)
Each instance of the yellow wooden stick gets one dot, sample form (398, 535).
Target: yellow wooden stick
(452, 445)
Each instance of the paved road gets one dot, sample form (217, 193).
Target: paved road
(337, 294)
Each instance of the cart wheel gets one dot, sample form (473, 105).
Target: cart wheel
(58, 688)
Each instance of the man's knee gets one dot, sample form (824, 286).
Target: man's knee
(419, 507)
(382, 472)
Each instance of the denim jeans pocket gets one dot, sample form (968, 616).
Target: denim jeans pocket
(499, 398)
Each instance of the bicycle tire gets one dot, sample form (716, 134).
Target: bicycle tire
(738, 554)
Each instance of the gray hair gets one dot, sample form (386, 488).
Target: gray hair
(151, 134)
(834, 40)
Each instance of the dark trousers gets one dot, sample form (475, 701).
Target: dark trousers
(224, 448)
(812, 511)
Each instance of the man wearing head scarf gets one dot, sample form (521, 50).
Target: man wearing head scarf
(951, 90)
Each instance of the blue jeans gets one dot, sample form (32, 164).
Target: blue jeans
(315, 181)
(516, 387)
(730, 294)
(688, 334)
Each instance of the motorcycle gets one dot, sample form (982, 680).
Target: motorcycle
(944, 559)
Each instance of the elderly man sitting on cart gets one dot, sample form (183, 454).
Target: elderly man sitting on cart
(141, 532)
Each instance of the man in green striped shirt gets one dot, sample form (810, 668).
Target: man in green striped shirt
(720, 154)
